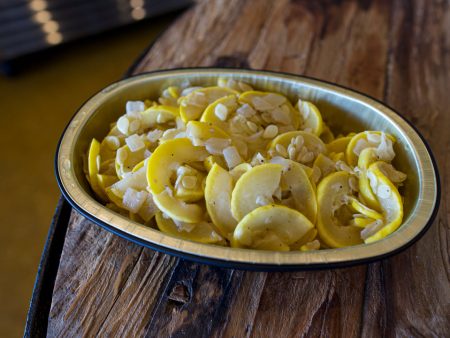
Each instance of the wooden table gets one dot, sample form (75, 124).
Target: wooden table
(395, 51)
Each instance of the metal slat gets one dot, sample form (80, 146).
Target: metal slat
(21, 33)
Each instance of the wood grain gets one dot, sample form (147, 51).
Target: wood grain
(417, 280)
(396, 51)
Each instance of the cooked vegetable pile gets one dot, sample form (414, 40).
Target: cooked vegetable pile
(230, 165)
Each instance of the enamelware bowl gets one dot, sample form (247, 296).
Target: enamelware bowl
(344, 109)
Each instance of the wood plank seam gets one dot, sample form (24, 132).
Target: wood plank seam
(164, 292)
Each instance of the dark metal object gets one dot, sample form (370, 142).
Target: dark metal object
(41, 299)
(31, 26)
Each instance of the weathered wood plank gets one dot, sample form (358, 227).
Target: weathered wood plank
(417, 284)
(133, 308)
(240, 315)
(311, 303)
(206, 291)
(85, 293)
(397, 51)
(337, 306)
(196, 34)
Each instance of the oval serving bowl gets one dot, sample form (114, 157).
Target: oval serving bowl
(340, 107)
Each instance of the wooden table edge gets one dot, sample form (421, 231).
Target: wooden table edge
(41, 298)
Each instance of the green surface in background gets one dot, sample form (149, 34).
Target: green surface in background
(35, 106)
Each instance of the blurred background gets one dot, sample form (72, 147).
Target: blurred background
(54, 54)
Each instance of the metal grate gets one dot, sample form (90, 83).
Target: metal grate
(34, 25)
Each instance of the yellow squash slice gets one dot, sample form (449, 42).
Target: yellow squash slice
(93, 169)
(189, 184)
(339, 145)
(337, 156)
(327, 135)
(332, 193)
(202, 232)
(325, 164)
(308, 237)
(239, 170)
(312, 119)
(389, 199)
(108, 147)
(213, 159)
(366, 158)
(210, 116)
(362, 209)
(271, 227)
(362, 222)
(296, 181)
(174, 91)
(255, 188)
(106, 181)
(135, 180)
(106, 153)
(307, 170)
(263, 101)
(311, 142)
(135, 217)
(204, 131)
(360, 141)
(162, 165)
(219, 185)
(314, 245)
(127, 160)
(159, 115)
(139, 166)
(194, 104)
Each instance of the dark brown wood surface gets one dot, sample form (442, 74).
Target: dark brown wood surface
(396, 51)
